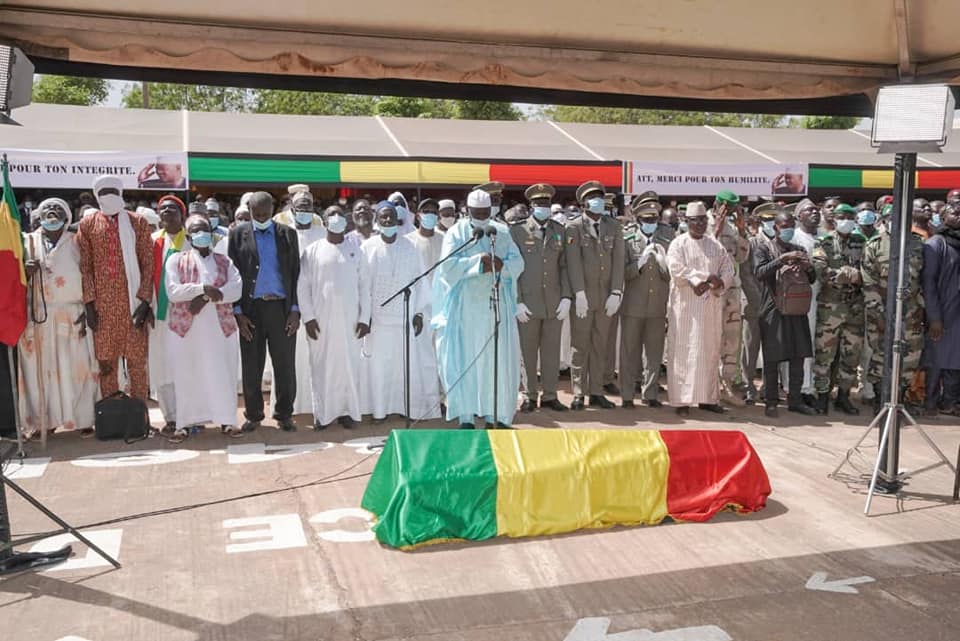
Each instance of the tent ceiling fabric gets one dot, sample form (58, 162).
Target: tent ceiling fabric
(736, 49)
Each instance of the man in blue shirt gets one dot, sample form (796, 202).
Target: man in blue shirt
(268, 258)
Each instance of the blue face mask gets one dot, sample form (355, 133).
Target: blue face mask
(388, 232)
(214, 221)
(596, 205)
(52, 225)
(303, 217)
(201, 239)
(336, 223)
(264, 226)
(786, 235)
(541, 213)
(846, 226)
(866, 217)
(494, 210)
(936, 221)
(401, 213)
(476, 222)
(648, 228)
(768, 228)
(428, 221)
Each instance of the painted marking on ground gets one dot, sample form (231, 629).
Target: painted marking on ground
(106, 540)
(344, 536)
(241, 453)
(367, 444)
(135, 458)
(843, 586)
(282, 531)
(28, 468)
(595, 629)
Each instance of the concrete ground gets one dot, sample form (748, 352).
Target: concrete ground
(296, 560)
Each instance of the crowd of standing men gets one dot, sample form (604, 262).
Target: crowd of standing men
(192, 307)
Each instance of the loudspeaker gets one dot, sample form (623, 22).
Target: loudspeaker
(16, 79)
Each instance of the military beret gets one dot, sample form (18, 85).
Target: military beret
(844, 208)
(766, 210)
(649, 198)
(590, 188)
(727, 196)
(540, 190)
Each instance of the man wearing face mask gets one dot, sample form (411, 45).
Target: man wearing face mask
(268, 315)
(596, 257)
(58, 380)
(727, 225)
(329, 295)
(543, 299)
(202, 287)
(785, 337)
(168, 241)
(765, 215)
(838, 341)
(429, 243)
(362, 222)
(644, 311)
(941, 293)
(116, 263)
(495, 189)
(463, 317)
(215, 218)
(874, 270)
(404, 215)
(448, 215)
(388, 262)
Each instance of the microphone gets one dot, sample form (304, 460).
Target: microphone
(490, 231)
(477, 233)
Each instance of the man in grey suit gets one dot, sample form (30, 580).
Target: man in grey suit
(544, 298)
(595, 265)
(644, 313)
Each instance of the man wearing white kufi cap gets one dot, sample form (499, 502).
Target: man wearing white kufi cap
(116, 264)
(700, 271)
(58, 383)
(464, 320)
(166, 173)
(447, 210)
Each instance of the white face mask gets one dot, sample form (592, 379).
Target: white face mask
(110, 204)
(448, 221)
(336, 223)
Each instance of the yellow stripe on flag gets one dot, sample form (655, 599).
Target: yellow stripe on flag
(10, 238)
(552, 481)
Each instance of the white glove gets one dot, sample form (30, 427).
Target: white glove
(563, 309)
(582, 305)
(523, 313)
(612, 304)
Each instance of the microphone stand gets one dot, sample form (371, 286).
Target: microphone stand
(495, 302)
(407, 290)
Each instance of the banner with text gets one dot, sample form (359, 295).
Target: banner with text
(77, 170)
(682, 179)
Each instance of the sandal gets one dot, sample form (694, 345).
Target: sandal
(87, 432)
(232, 431)
(179, 436)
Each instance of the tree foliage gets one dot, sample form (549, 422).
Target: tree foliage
(485, 110)
(631, 116)
(70, 90)
(312, 103)
(167, 95)
(829, 122)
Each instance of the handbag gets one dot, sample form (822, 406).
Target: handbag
(121, 416)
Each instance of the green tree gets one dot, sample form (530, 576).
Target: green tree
(70, 90)
(402, 107)
(631, 116)
(485, 110)
(313, 103)
(167, 95)
(829, 122)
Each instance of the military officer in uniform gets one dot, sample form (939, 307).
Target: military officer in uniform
(595, 257)
(643, 320)
(874, 270)
(544, 298)
(610, 369)
(838, 340)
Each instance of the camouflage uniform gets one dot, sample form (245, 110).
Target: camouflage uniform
(874, 268)
(738, 248)
(839, 336)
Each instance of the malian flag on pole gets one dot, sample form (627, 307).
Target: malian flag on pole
(13, 278)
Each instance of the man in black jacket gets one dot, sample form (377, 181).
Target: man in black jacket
(783, 337)
(268, 258)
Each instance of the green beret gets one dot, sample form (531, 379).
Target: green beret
(727, 196)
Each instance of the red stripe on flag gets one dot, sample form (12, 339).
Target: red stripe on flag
(13, 299)
(710, 471)
(557, 175)
(938, 179)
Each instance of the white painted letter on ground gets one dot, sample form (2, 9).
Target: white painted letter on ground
(282, 531)
(106, 540)
(844, 586)
(344, 536)
(595, 629)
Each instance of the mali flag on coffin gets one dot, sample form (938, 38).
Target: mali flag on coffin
(13, 279)
(431, 486)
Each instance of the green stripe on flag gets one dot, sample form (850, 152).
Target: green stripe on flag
(833, 177)
(432, 485)
(263, 170)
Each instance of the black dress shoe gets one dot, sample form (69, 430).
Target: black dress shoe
(250, 426)
(683, 411)
(528, 406)
(611, 389)
(809, 399)
(627, 405)
(554, 404)
(467, 426)
(601, 401)
(806, 410)
(713, 407)
(287, 425)
(346, 422)
(577, 403)
(318, 426)
(770, 411)
(653, 403)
